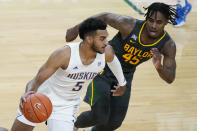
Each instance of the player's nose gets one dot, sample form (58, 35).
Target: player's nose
(106, 42)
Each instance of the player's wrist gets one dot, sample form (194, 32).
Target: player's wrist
(159, 67)
(123, 83)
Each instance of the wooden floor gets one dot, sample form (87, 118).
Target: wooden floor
(31, 29)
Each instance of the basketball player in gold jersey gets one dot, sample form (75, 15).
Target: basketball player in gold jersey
(136, 42)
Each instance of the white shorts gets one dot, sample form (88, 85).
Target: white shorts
(61, 119)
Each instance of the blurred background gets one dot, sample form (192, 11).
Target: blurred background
(30, 30)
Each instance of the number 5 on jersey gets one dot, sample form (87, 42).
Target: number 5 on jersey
(78, 86)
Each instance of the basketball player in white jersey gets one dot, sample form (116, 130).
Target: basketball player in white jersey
(67, 71)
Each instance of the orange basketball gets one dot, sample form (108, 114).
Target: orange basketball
(37, 108)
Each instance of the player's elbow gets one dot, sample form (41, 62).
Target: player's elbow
(104, 13)
(170, 80)
(103, 16)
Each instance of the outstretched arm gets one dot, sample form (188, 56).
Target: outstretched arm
(167, 71)
(124, 24)
(115, 67)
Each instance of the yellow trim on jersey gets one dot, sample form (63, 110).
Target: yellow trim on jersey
(150, 44)
(101, 72)
(92, 93)
(133, 42)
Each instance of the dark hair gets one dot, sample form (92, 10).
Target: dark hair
(167, 10)
(90, 26)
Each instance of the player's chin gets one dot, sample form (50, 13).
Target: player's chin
(153, 35)
(101, 51)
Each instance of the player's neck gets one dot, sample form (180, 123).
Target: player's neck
(86, 53)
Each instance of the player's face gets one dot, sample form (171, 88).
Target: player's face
(155, 25)
(100, 41)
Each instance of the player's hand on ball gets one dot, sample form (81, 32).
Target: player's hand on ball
(24, 96)
(119, 90)
(36, 107)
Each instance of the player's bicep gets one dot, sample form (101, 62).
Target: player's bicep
(57, 59)
(124, 24)
(127, 24)
(109, 54)
(44, 73)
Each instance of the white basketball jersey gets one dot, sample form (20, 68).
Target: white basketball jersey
(65, 86)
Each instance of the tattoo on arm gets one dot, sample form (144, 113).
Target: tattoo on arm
(168, 70)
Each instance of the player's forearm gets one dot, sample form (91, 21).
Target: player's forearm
(35, 83)
(102, 16)
(31, 86)
(72, 33)
(116, 68)
(109, 18)
(166, 74)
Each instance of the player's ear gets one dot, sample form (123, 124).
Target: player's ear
(166, 22)
(89, 39)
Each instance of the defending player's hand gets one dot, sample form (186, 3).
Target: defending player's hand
(156, 57)
(24, 96)
(71, 34)
(119, 90)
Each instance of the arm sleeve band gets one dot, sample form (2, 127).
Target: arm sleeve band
(116, 68)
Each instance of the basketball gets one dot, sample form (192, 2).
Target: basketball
(37, 108)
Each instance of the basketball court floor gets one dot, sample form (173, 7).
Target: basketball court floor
(31, 29)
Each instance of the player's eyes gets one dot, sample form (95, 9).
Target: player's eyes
(159, 22)
(151, 20)
(102, 38)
